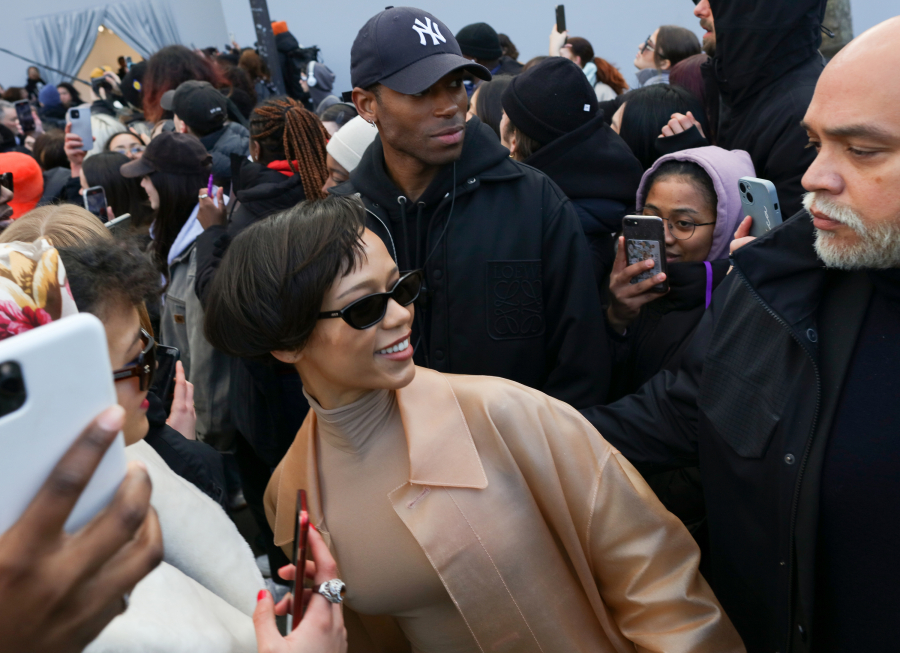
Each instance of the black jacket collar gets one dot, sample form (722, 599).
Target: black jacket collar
(784, 270)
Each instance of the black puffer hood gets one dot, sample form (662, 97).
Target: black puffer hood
(591, 162)
(481, 152)
(761, 41)
(285, 42)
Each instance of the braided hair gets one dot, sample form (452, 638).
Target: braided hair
(282, 125)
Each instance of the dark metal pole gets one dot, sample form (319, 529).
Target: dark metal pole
(43, 65)
(265, 41)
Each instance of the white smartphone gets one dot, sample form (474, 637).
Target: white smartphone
(759, 200)
(80, 119)
(54, 380)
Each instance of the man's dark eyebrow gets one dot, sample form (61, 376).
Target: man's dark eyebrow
(855, 131)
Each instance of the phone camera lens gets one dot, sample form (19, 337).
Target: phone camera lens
(750, 198)
(75, 113)
(743, 187)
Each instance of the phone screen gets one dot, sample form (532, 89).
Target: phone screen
(560, 18)
(26, 118)
(301, 539)
(642, 250)
(95, 202)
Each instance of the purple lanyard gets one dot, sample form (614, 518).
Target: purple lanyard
(709, 280)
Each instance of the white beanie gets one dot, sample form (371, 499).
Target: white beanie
(350, 142)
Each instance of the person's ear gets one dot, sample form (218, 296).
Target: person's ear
(665, 64)
(579, 61)
(289, 357)
(254, 150)
(513, 143)
(366, 104)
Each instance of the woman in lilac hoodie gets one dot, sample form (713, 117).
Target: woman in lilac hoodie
(696, 193)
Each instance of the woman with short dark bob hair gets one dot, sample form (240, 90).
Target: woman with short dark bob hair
(465, 513)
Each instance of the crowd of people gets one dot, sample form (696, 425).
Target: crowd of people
(413, 300)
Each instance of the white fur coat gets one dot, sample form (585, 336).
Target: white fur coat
(202, 597)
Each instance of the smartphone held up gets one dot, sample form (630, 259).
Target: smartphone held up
(25, 116)
(645, 239)
(560, 18)
(95, 201)
(759, 200)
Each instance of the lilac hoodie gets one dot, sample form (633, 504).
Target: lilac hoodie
(724, 168)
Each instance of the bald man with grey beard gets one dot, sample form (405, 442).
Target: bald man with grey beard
(788, 397)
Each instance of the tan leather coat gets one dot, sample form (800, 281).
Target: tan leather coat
(545, 537)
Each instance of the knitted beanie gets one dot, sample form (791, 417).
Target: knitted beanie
(550, 100)
(28, 181)
(350, 142)
(479, 40)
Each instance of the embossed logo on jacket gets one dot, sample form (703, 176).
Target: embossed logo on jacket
(515, 300)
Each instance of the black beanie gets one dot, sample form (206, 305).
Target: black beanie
(550, 100)
(479, 40)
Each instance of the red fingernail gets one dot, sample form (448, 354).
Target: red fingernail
(261, 595)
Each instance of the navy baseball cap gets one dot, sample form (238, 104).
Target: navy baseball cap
(407, 50)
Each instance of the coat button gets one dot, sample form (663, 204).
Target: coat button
(439, 354)
(812, 335)
(471, 181)
(438, 274)
(789, 459)
(781, 563)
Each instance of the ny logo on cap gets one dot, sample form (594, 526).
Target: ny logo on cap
(429, 28)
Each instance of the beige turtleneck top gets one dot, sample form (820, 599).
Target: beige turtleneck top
(363, 456)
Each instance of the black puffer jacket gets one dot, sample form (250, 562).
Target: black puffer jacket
(753, 404)
(598, 172)
(268, 406)
(510, 286)
(765, 71)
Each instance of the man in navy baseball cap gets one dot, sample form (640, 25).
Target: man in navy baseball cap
(445, 197)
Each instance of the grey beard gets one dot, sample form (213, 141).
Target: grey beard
(877, 246)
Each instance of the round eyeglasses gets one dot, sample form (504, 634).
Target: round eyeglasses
(684, 229)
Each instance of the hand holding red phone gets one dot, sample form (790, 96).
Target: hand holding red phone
(322, 628)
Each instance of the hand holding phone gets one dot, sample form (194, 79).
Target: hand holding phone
(626, 296)
(560, 18)
(323, 627)
(44, 610)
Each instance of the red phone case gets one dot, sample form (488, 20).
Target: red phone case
(301, 539)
